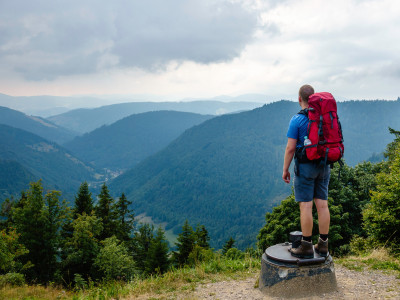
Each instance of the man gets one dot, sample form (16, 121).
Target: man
(311, 181)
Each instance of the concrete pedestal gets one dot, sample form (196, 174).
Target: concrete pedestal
(283, 275)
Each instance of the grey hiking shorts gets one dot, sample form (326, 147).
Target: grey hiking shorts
(311, 181)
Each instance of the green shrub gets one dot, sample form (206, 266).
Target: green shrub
(234, 253)
(113, 260)
(200, 254)
(80, 282)
(13, 279)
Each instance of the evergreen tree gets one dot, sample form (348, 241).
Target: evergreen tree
(82, 248)
(185, 244)
(157, 258)
(202, 237)
(141, 245)
(83, 200)
(382, 214)
(228, 245)
(38, 225)
(125, 218)
(105, 209)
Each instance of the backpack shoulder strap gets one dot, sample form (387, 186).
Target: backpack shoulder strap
(303, 112)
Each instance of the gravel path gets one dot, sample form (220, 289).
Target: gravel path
(351, 285)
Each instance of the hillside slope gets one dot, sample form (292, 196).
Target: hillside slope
(36, 125)
(86, 120)
(223, 173)
(124, 143)
(226, 172)
(38, 158)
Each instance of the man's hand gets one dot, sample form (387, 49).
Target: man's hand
(286, 176)
(289, 152)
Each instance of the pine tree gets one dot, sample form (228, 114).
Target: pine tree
(157, 258)
(105, 209)
(82, 248)
(228, 245)
(202, 237)
(382, 215)
(185, 244)
(38, 224)
(125, 218)
(83, 200)
(141, 245)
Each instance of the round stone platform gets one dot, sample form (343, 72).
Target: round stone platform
(283, 275)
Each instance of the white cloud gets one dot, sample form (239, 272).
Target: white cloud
(204, 48)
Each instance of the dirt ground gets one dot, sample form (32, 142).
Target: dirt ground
(351, 285)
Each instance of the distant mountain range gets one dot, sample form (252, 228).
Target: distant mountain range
(223, 172)
(36, 125)
(25, 156)
(46, 106)
(124, 143)
(226, 172)
(86, 120)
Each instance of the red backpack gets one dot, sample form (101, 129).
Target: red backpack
(324, 129)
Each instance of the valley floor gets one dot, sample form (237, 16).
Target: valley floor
(367, 284)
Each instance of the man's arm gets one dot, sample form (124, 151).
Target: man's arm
(289, 152)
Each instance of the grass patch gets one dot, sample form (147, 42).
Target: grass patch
(377, 259)
(179, 280)
(34, 292)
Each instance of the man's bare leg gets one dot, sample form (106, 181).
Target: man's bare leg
(306, 218)
(324, 217)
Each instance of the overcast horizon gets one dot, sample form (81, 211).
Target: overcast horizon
(191, 49)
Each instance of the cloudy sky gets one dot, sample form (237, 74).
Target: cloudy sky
(200, 48)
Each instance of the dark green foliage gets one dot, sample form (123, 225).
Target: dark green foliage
(106, 211)
(37, 221)
(82, 248)
(141, 245)
(283, 219)
(228, 245)
(36, 157)
(125, 219)
(157, 260)
(185, 244)
(13, 178)
(382, 215)
(36, 125)
(201, 237)
(126, 142)
(83, 201)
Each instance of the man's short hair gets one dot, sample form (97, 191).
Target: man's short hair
(305, 92)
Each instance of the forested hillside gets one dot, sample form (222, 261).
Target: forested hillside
(86, 120)
(124, 143)
(32, 156)
(13, 178)
(36, 125)
(226, 172)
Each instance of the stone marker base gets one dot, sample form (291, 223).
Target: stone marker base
(283, 275)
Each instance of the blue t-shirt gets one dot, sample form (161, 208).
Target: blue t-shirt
(298, 129)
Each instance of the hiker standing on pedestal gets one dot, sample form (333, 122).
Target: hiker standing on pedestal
(315, 141)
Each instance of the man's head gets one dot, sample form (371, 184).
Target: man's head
(305, 92)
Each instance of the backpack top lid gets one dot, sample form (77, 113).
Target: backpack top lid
(322, 102)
